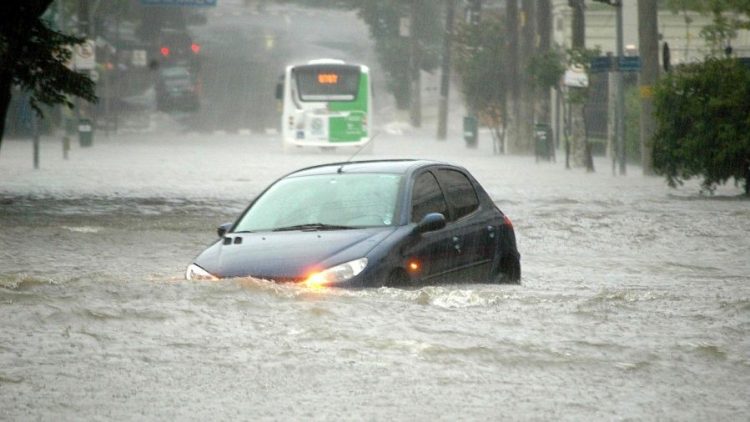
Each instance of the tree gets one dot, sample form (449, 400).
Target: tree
(395, 51)
(703, 128)
(728, 17)
(479, 61)
(33, 56)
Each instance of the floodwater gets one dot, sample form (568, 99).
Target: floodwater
(634, 303)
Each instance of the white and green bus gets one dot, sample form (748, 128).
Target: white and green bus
(326, 103)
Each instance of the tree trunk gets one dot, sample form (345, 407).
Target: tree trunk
(528, 47)
(581, 151)
(512, 81)
(648, 36)
(5, 94)
(544, 31)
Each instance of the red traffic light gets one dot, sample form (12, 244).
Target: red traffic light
(195, 47)
(164, 51)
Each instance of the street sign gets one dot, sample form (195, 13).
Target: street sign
(607, 63)
(601, 64)
(404, 27)
(630, 63)
(139, 58)
(576, 77)
(84, 55)
(186, 3)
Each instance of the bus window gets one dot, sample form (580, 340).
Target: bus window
(327, 83)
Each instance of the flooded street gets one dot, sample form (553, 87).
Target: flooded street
(634, 302)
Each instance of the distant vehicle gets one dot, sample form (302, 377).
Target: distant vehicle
(326, 103)
(177, 89)
(177, 47)
(367, 224)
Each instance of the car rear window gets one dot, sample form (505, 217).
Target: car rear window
(460, 192)
(427, 197)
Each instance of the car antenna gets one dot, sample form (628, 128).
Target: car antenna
(348, 160)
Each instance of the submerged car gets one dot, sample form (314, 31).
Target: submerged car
(367, 224)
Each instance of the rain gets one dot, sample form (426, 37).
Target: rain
(634, 301)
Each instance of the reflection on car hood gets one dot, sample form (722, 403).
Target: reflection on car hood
(288, 255)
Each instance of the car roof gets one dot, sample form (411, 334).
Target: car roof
(398, 166)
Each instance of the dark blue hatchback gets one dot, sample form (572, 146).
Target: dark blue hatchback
(367, 224)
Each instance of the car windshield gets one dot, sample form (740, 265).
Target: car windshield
(322, 202)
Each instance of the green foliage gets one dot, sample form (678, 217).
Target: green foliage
(703, 123)
(580, 58)
(478, 60)
(633, 124)
(40, 66)
(34, 57)
(728, 17)
(393, 50)
(546, 69)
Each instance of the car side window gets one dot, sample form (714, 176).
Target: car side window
(460, 192)
(427, 197)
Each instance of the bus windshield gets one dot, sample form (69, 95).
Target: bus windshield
(327, 82)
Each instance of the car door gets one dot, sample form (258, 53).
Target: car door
(433, 251)
(473, 232)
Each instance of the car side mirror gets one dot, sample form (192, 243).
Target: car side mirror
(222, 230)
(430, 222)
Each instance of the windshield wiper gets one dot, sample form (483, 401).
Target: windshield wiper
(312, 227)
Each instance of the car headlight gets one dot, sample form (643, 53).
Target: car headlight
(195, 272)
(337, 274)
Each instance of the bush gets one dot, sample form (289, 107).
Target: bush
(703, 124)
(633, 125)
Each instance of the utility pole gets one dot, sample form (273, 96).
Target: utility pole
(442, 129)
(648, 46)
(619, 102)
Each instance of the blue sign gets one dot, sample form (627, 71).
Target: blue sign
(186, 3)
(607, 63)
(601, 64)
(630, 63)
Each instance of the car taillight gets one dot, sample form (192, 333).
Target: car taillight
(507, 221)
(196, 48)
(164, 51)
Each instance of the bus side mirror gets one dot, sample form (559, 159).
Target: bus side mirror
(279, 91)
